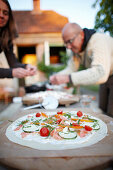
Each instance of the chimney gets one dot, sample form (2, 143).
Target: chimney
(36, 6)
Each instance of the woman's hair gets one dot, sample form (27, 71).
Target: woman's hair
(8, 32)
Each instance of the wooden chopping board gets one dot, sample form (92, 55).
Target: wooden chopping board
(63, 98)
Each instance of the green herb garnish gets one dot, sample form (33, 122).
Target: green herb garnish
(45, 120)
(36, 122)
(93, 120)
(68, 115)
(24, 121)
(78, 121)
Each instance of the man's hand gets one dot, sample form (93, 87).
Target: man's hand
(59, 79)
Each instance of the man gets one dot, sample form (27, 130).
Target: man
(95, 51)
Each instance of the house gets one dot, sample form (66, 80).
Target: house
(39, 35)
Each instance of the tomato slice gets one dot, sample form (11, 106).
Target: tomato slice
(88, 128)
(44, 132)
(38, 114)
(60, 112)
(79, 114)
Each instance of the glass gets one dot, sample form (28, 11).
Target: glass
(70, 41)
(89, 101)
(85, 101)
(94, 104)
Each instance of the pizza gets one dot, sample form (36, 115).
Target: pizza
(63, 97)
(57, 130)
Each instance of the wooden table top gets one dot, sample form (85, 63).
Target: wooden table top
(98, 155)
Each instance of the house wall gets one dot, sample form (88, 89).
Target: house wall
(38, 40)
(26, 39)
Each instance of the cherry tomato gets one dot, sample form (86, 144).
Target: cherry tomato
(79, 113)
(88, 128)
(60, 112)
(38, 114)
(58, 121)
(44, 132)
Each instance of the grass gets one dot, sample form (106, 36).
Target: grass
(94, 88)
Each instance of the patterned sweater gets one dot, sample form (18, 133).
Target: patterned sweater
(98, 59)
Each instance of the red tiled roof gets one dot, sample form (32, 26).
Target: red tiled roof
(43, 22)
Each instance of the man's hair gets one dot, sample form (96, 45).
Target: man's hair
(8, 32)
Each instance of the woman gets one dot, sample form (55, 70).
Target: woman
(7, 34)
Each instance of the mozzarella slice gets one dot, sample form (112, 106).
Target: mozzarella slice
(29, 128)
(71, 129)
(96, 127)
(70, 135)
(65, 130)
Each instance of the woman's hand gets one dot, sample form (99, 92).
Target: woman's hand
(32, 69)
(20, 72)
(24, 72)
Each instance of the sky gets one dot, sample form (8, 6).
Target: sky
(79, 11)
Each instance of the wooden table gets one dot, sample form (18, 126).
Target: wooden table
(97, 156)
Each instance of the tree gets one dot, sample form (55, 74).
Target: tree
(104, 17)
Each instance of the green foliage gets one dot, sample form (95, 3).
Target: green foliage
(48, 70)
(74, 90)
(64, 57)
(104, 17)
(94, 88)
